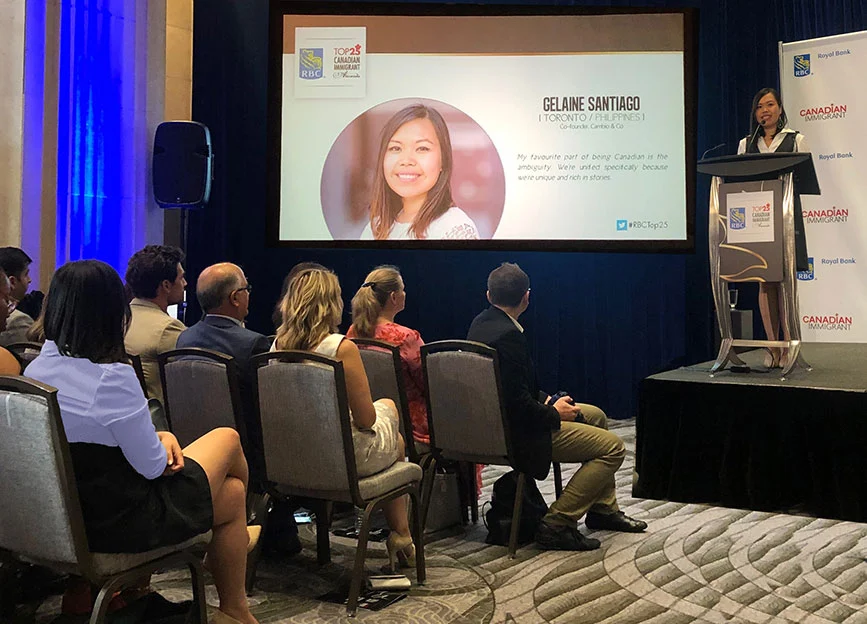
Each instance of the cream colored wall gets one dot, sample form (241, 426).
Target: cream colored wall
(12, 105)
(179, 59)
(178, 85)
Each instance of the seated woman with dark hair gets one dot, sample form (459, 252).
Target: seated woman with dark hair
(138, 489)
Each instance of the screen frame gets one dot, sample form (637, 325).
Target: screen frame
(280, 8)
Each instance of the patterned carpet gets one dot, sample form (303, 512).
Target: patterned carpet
(696, 563)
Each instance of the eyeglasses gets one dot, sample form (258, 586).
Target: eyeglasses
(248, 288)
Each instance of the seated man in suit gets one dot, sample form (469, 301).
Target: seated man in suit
(561, 430)
(155, 275)
(224, 296)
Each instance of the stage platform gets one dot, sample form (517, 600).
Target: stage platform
(753, 441)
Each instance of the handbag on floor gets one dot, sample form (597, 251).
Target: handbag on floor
(444, 510)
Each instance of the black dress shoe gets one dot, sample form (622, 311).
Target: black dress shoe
(551, 537)
(618, 521)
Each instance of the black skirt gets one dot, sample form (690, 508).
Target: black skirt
(127, 513)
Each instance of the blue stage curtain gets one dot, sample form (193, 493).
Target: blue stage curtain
(100, 114)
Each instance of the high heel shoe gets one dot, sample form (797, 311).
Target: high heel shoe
(772, 357)
(254, 532)
(400, 547)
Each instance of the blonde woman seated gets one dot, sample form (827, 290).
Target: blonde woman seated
(311, 311)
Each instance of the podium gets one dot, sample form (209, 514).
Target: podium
(752, 239)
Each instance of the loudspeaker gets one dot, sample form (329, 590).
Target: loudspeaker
(182, 164)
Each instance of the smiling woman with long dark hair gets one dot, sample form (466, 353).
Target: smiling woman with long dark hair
(138, 489)
(412, 197)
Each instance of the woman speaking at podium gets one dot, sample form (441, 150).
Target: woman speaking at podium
(769, 133)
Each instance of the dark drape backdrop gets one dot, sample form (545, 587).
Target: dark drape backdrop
(599, 322)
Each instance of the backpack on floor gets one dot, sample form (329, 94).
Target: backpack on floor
(499, 517)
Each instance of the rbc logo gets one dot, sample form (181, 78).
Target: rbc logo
(310, 63)
(622, 225)
(810, 273)
(802, 65)
(738, 218)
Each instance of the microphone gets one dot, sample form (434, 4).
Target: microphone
(713, 149)
(753, 137)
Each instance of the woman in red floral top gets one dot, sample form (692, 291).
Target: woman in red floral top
(374, 307)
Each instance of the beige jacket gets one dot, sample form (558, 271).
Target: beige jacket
(151, 332)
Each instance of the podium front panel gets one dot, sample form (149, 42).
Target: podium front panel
(751, 223)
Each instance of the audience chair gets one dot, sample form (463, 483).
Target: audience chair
(304, 414)
(385, 375)
(135, 362)
(40, 514)
(466, 416)
(202, 392)
(25, 352)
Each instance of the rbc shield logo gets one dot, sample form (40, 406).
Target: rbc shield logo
(802, 65)
(310, 63)
(809, 274)
(738, 218)
(622, 225)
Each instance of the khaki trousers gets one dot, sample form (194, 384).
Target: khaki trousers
(600, 454)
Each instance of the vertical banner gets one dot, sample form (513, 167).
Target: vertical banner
(825, 102)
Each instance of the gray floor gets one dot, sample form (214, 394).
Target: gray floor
(695, 564)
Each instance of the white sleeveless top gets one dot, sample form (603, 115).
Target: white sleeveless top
(329, 345)
(451, 225)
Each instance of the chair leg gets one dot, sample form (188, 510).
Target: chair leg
(474, 493)
(465, 490)
(418, 538)
(198, 582)
(516, 516)
(252, 565)
(323, 524)
(558, 480)
(258, 511)
(100, 607)
(360, 554)
(427, 483)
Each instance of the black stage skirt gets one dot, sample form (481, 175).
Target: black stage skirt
(126, 513)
